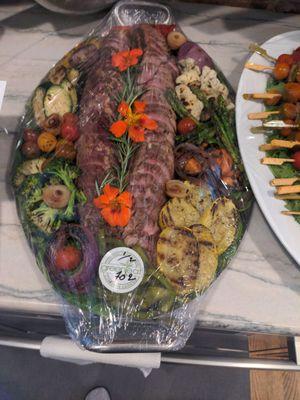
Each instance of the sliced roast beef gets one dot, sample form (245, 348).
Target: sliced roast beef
(153, 162)
(95, 152)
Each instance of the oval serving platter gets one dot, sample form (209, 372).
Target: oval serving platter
(286, 228)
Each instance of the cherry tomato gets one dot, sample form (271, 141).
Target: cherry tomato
(70, 118)
(296, 157)
(69, 131)
(30, 135)
(30, 149)
(65, 149)
(274, 100)
(296, 55)
(285, 58)
(68, 258)
(185, 126)
(292, 92)
(281, 71)
(47, 142)
(287, 131)
(297, 136)
(289, 110)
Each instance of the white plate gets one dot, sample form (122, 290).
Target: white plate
(286, 228)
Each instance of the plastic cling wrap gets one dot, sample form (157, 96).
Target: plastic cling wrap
(128, 181)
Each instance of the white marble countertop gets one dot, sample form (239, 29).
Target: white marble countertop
(260, 291)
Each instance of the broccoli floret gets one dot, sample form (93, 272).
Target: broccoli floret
(18, 178)
(64, 171)
(67, 173)
(45, 218)
(31, 191)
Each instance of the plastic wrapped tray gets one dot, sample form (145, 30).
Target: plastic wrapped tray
(128, 181)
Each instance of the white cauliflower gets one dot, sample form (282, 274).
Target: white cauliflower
(190, 72)
(212, 87)
(190, 101)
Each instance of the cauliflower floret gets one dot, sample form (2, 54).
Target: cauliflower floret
(211, 85)
(190, 72)
(190, 101)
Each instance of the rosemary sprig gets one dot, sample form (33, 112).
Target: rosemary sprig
(126, 148)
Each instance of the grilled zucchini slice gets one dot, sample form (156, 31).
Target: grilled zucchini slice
(57, 101)
(208, 257)
(69, 88)
(199, 197)
(178, 258)
(178, 212)
(38, 106)
(222, 219)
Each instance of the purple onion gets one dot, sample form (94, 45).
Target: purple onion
(81, 279)
(194, 51)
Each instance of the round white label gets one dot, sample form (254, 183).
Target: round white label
(121, 270)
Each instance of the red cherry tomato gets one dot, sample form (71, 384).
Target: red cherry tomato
(30, 135)
(67, 258)
(185, 126)
(287, 131)
(69, 131)
(289, 110)
(70, 118)
(285, 58)
(296, 157)
(281, 71)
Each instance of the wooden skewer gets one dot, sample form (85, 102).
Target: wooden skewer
(287, 196)
(290, 212)
(278, 124)
(287, 144)
(262, 115)
(268, 147)
(275, 161)
(255, 96)
(257, 67)
(260, 129)
(284, 181)
(255, 48)
(288, 189)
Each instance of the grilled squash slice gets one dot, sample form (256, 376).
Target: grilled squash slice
(199, 197)
(208, 257)
(178, 258)
(178, 212)
(222, 219)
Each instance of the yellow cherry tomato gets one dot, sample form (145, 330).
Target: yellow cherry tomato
(47, 142)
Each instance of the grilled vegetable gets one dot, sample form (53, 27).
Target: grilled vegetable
(208, 257)
(69, 88)
(176, 188)
(53, 124)
(30, 149)
(38, 106)
(47, 142)
(178, 258)
(65, 149)
(73, 76)
(178, 212)
(31, 167)
(56, 196)
(57, 74)
(222, 219)
(57, 101)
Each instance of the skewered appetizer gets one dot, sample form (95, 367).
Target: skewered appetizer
(280, 124)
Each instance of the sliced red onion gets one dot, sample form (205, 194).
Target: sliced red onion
(82, 278)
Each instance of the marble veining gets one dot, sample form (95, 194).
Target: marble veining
(260, 290)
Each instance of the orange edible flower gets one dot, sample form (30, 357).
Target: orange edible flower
(135, 121)
(115, 207)
(125, 59)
